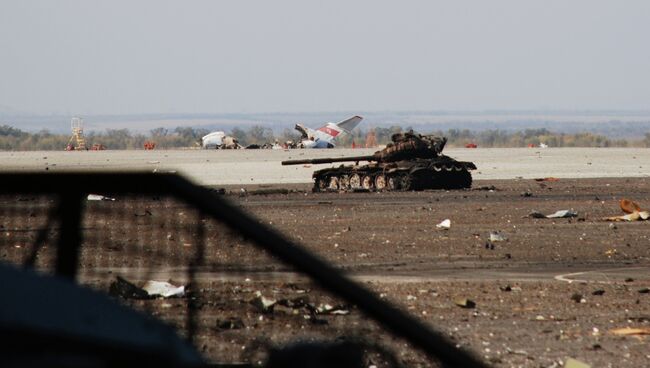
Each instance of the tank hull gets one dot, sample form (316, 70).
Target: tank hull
(440, 172)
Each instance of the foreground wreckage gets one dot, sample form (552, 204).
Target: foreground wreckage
(410, 162)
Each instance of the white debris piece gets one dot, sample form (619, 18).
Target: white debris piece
(496, 236)
(263, 303)
(445, 224)
(164, 289)
(563, 214)
(97, 197)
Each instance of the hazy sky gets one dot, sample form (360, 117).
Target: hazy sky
(120, 57)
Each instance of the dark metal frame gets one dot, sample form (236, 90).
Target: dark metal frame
(73, 187)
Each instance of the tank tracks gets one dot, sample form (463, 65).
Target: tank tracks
(444, 176)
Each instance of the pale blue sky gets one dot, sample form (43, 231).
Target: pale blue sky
(123, 57)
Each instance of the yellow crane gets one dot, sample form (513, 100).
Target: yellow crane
(77, 125)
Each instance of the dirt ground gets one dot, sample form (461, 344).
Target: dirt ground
(548, 290)
(390, 241)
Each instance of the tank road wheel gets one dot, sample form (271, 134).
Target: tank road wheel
(333, 183)
(381, 182)
(462, 179)
(393, 183)
(437, 168)
(367, 182)
(344, 182)
(320, 184)
(406, 182)
(355, 181)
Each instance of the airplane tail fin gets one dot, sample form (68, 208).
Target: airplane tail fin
(349, 124)
(345, 126)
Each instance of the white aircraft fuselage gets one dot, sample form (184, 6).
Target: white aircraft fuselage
(324, 136)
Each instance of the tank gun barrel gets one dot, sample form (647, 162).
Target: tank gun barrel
(329, 160)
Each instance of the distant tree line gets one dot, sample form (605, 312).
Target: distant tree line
(13, 139)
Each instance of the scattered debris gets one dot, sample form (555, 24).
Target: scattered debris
(294, 303)
(219, 191)
(644, 291)
(163, 289)
(263, 303)
(497, 236)
(527, 193)
(122, 288)
(628, 206)
(97, 197)
(557, 214)
(269, 191)
(578, 298)
(232, 323)
(465, 303)
(509, 288)
(151, 289)
(444, 225)
(516, 352)
(574, 363)
(628, 331)
(563, 214)
(490, 188)
(598, 292)
(329, 309)
(633, 211)
(550, 178)
(536, 214)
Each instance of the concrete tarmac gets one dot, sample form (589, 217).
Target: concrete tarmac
(240, 167)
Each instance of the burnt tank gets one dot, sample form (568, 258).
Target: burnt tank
(410, 162)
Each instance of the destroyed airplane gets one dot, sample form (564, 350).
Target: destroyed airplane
(219, 140)
(324, 136)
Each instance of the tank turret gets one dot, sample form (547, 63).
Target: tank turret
(410, 162)
(404, 146)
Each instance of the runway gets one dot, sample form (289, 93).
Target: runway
(241, 167)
